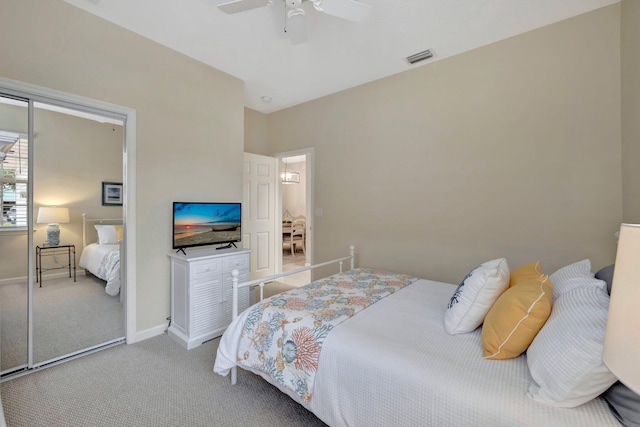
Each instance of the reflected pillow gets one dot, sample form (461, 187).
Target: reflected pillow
(107, 234)
(119, 232)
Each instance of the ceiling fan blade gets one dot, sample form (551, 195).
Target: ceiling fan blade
(347, 9)
(297, 29)
(235, 6)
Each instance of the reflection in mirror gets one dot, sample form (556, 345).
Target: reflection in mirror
(14, 175)
(73, 309)
(76, 305)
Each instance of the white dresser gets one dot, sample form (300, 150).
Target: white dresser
(201, 292)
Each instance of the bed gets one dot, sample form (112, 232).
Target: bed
(101, 249)
(390, 361)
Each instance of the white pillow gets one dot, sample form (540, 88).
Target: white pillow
(573, 276)
(565, 358)
(474, 297)
(107, 234)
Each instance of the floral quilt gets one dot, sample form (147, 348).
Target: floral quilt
(282, 336)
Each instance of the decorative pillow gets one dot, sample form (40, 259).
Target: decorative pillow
(475, 295)
(565, 358)
(119, 232)
(574, 276)
(624, 404)
(106, 234)
(525, 273)
(515, 319)
(606, 275)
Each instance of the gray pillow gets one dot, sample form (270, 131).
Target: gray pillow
(606, 274)
(624, 404)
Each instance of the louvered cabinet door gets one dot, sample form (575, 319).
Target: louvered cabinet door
(201, 293)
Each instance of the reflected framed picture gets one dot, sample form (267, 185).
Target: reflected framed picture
(111, 193)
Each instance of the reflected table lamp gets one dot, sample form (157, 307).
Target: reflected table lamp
(621, 351)
(53, 216)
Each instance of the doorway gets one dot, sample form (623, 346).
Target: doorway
(296, 195)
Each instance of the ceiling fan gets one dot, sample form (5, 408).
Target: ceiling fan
(351, 10)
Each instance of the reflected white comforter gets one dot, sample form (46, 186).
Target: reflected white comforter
(103, 261)
(393, 364)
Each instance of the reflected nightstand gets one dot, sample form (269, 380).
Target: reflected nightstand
(47, 250)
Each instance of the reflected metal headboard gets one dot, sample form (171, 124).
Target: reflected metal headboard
(92, 221)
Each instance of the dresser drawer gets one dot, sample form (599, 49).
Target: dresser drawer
(206, 269)
(240, 262)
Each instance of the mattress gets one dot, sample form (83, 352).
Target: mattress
(393, 364)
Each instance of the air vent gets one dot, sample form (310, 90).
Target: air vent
(420, 56)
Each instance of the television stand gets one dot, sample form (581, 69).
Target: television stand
(227, 246)
(181, 250)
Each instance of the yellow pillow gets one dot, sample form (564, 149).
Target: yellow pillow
(516, 318)
(119, 232)
(524, 273)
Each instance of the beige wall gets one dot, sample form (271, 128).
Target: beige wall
(189, 118)
(511, 150)
(255, 132)
(72, 156)
(630, 46)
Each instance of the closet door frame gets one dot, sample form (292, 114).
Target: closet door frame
(36, 93)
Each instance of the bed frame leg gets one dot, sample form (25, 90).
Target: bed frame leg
(234, 375)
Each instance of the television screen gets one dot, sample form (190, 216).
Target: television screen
(202, 224)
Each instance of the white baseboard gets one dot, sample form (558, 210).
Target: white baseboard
(149, 333)
(79, 272)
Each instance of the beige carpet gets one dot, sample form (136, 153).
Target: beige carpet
(151, 383)
(68, 316)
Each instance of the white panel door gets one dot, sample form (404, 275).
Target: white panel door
(258, 211)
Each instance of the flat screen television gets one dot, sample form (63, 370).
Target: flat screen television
(205, 224)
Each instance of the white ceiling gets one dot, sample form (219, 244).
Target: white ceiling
(339, 54)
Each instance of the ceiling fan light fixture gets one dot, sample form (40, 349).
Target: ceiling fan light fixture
(420, 56)
(295, 27)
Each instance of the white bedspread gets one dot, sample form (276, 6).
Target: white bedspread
(393, 364)
(103, 261)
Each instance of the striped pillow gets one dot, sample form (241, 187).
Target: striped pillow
(565, 358)
(574, 276)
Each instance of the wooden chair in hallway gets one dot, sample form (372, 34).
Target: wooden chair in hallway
(297, 237)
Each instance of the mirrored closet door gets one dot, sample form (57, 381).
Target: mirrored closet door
(14, 241)
(71, 290)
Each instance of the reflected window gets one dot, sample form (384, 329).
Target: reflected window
(14, 178)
